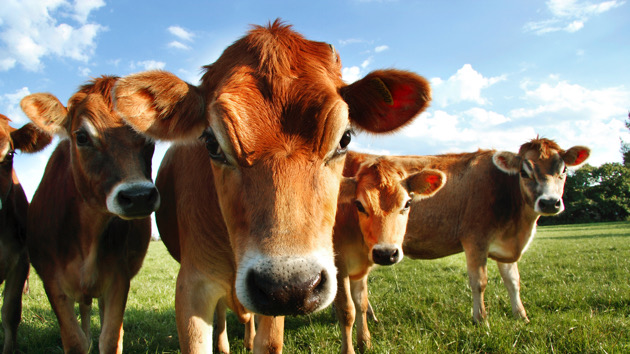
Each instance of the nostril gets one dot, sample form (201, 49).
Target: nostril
(385, 256)
(394, 257)
(558, 204)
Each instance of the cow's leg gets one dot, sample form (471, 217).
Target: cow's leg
(85, 309)
(250, 333)
(72, 336)
(220, 331)
(512, 281)
(360, 299)
(345, 313)
(270, 335)
(196, 298)
(113, 304)
(12, 303)
(476, 262)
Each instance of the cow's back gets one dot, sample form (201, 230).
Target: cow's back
(478, 202)
(190, 220)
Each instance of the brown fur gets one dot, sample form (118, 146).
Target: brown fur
(80, 247)
(14, 262)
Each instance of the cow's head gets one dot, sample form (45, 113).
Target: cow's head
(111, 163)
(26, 139)
(542, 168)
(381, 195)
(276, 119)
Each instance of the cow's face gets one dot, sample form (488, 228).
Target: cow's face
(542, 169)
(275, 118)
(382, 194)
(111, 163)
(27, 139)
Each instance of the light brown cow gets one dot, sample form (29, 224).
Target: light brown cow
(14, 264)
(88, 226)
(489, 208)
(370, 226)
(249, 210)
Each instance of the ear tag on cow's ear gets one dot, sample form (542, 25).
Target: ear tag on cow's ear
(383, 90)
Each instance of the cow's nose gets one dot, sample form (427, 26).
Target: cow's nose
(294, 292)
(385, 255)
(138, 201)
(550, 205)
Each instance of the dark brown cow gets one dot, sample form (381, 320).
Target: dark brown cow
(88, 225)
(14, 264)
(489, 208)
(249, 210)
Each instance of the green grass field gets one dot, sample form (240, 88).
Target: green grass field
(575, 287)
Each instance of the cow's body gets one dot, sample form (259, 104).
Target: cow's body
(489, 208)
(88, 225)
(14, 263)
(249, 210)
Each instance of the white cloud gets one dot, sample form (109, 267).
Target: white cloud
(84, 71)
(10, 106)
(351, 74)
(381, 48)
(181, 33)
(465, 85)
(148, 65)
(480, 117)
(33, 29)
(569, 15)
(178, 45)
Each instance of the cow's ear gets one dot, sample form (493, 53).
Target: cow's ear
(160, 105)
(29, 138)
(347, 190)
(425, 183)
(386, 100)
(507, 162)
(576, 155)
(46, 112)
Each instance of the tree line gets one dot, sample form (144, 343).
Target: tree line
(594, 194)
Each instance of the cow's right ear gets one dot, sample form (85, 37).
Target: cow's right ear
(161, 106)
(29, 138)
(507, 162)
(386, 100)
(347, 190)
(46, 112)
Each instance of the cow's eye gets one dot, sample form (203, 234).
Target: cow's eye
(82, 138)
(213, 147)
(8, 158)
(407, 205)
(344, 142)
(359, 207)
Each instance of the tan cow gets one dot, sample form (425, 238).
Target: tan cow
(249, 210)
(88, 225)
(370, 227)
(14, 264)
(489, 208)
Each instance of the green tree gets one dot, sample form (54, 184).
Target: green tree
(625, 147)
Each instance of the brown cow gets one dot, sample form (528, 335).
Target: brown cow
(370, 226)
(88, 226)
(249, 210)
(14, 264)
(489, 208)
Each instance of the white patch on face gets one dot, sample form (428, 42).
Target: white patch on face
(549, 191)
(87, 125)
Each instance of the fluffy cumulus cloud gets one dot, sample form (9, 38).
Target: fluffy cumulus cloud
(10, 105)
(182, 36)
(465, 85)
(33, 29)
(354, 73)
(147, 65)
(570, 15)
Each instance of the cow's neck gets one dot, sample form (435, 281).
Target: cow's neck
(93, 223)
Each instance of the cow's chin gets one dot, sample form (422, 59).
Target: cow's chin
(286, 285)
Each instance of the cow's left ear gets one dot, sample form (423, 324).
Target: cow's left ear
(386, 100)
(347, 190)
(30, 139)
(576, 155)
(425, 183)
(507, 162)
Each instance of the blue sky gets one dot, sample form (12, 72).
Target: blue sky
(502, 72)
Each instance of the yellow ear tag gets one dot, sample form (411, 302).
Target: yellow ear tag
(383, 90)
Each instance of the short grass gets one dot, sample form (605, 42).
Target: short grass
(575, 288)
